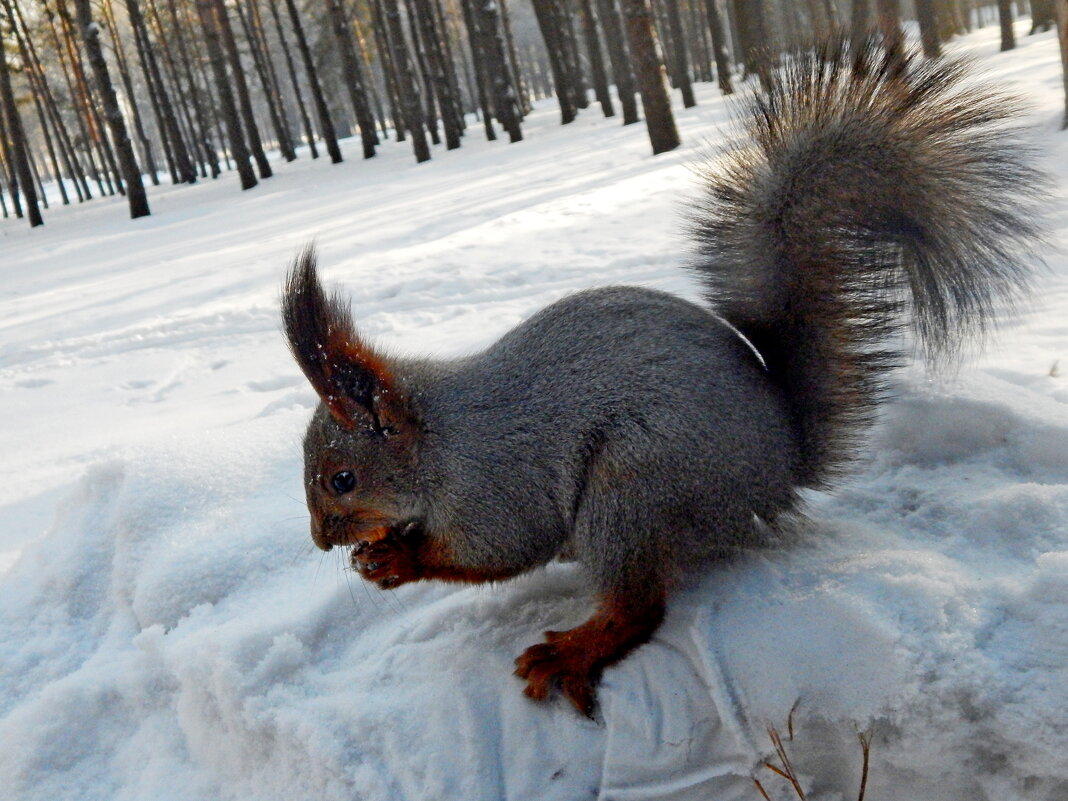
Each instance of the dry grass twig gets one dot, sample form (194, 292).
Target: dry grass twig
(784, 768)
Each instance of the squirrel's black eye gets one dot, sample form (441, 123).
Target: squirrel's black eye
(343, 482)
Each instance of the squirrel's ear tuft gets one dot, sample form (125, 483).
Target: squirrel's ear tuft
(350, 378)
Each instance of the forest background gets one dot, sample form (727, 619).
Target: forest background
(103, 97)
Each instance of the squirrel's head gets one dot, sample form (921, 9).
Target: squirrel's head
(361, 447)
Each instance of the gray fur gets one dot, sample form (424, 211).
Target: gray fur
(649, 452)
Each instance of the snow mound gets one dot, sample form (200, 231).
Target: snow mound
(173, 636)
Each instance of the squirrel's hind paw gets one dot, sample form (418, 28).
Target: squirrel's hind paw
(548, 668)
(571, 662)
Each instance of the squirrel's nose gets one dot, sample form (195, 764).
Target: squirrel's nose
(317, 535)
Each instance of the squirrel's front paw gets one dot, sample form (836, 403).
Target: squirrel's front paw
(388, 562)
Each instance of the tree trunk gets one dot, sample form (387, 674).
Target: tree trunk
(612, 25)
(553, 34)
(680, 58)
(755, 40)
(518, 81)
(438, 66)
(197, 124)
(697, 41)
(244, 101)
(505, 101)
(68, 63)
(259, 31)
(271, 95)
(409, 91)
(95, 123)
(593, 48)
(389, 74)
(37, 178)
(888, 16)
(131, 173)
(238, 150)
(719, 47)
(354, 82)
(1061, 13)
(1008, 35)
(167, 120)
(1042, 15)
(652, 78)
(148, 157)
(925, 16)
(571, 54)
(16, 153)
(478, 59)
(66, 145)
(445, 21)
(326, 124)
(291, 70)
(36, 89)
(418, 51)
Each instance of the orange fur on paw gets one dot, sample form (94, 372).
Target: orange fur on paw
(388, 562)
(391, 556)
(571, 662)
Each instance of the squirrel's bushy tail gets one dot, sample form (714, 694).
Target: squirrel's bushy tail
(874, 191)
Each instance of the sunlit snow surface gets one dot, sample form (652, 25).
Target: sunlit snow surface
(167, 632)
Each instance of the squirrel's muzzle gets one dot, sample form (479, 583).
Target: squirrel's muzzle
(330, 530)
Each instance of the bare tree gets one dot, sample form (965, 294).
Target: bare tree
(15, 150)
(1008, 35)
(238, 150)
(268, 80)
(505, 100)
(354, 80)
(680, 68)
(615, 38)
(405, 75)
(652, 77)
(593, 49)
(167, 120)
(554, 33)
(439, 65)
(122, 63)
(754, 38)
(719, 47)
(326, 123)
(291, 70)
(131, 173)
(1061, 12)
(237, 79)
(929, 37)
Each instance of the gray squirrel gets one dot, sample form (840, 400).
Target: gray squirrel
(645, 435)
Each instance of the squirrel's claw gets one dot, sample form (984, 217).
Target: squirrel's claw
(549, 669)
(387, 562)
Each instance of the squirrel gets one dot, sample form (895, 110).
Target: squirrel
(645, 435)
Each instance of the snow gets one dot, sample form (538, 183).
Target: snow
(167, 630)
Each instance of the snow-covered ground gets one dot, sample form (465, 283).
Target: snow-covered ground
(167, 632)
